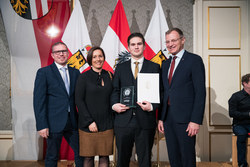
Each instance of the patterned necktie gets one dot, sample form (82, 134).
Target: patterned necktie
(65, 78)
(171, 70)
(136, 69)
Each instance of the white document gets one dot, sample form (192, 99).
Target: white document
(148, 87)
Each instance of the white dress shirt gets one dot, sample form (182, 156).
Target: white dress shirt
(139, 65)
(61, 72)
(177, 60)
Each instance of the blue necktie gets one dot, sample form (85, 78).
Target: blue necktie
(65, 78)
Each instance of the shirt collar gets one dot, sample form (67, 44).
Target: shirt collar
(96, 73)
(245, 93)
(60, 66)
(139, 60)
(180, 54)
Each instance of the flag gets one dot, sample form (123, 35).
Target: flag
(31, 28)
(76, 37)
(155, 36)
(114, 42)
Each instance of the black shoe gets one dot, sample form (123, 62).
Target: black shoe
(243, 165)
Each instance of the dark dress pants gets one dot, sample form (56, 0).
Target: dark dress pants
(241, 131)
(54, 142)
(125, 139)
(181, 147)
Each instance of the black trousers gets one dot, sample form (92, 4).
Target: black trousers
(241, 131)
(125, 139)
(54, 143)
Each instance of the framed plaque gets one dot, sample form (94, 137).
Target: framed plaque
(127, 96)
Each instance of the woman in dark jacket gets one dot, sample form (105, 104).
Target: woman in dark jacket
(92, 96)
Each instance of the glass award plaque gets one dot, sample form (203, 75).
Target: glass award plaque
(127, 96)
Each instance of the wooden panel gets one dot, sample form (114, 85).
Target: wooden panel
(234, 151)
(220, 146)
(224, 28)
(6, 145)
(224, 80)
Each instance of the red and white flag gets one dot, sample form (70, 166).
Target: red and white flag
(114, 42)
(31, 28)
(155, 35)
(76, 37)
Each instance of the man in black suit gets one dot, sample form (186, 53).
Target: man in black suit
(133, 125)
(184, 92)
(54, 105)
(239, 110)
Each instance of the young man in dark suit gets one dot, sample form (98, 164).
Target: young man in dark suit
(54, 105)
(184, 93)
(133, 125)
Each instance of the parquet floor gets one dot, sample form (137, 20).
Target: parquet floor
(132, 164)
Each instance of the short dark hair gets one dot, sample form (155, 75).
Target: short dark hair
(90, 54)
(136, 34)
(245, 78)
(58, 43)
(175, 29)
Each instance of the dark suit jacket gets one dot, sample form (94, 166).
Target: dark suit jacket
(51, 99)
(187, 90)
(123, 77)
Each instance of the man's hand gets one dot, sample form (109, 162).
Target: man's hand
(193, 129)
(44, 133)
(145, 105)
(93, 127)
(118, 107)
(160, 126)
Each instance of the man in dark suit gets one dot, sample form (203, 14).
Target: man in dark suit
(239, 110)
(184, 93)
(54, 105)
(133, 125)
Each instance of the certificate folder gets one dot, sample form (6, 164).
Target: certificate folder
(148, 87)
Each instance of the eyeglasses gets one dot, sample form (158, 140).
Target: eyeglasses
(173, 41)
(58, 52)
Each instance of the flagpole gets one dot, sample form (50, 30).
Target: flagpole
(72, 5)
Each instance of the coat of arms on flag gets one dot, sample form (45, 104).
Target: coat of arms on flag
(159, 58)
(31, 9)
(77, 60)
(155, 36)
(122, 57)
(76, 37)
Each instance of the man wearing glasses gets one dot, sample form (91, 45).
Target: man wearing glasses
(54, 105)
(184, 92)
